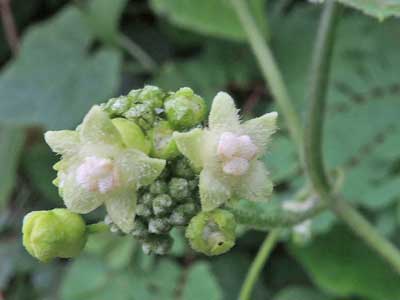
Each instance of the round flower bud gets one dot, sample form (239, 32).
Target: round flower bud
(182, 214)
(162, 205)
(140, 230)
(150, 94)
(183, 169)
(157, 244)
(54, 233)
(212, 233)
(163, 145)
(143, 210)
(159, 187)
(185, 109)
(142, 114)
(146, 199)
(117, 106)
(132, 135)
(179, 189)
(159, 225)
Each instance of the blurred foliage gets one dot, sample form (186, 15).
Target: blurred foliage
(71, 57)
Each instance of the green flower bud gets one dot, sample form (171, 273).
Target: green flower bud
(212, 233)
(183, 169)
(185, 109)
(150, 94)
(162, 205)
(54, 233)
(158, 187)
(179, 189)
(117, 106)
(132, 135)
(142, 114)
(140, 230)
(182, 214)
(157, 244)
(143, 210)
(159, 225)
(146, 199)
(163, 145)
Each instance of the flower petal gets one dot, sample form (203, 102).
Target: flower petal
(260, 130)
(75, 196)
(63, 141)
(137, 168)
(97, 128)
(223, 114)
(121, 208)
(213, 192)
(256, 184)
(190, 145)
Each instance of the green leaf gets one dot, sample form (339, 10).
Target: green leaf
(11, 144)
(362, 131)
(348, 268)
(201, 284)
(230, 65)
(211, 17)
(90, 278)
(299, 293)
(103, 17)
(380, 9)
(54, 80)
(37, 162)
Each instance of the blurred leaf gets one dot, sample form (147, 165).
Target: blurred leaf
(348, 268)
(103, 18)
(299, 293)
(362, 129)
(201, 284)
(377, 8)
(230, 270)
(89, 278)
(211, 71)
(11, 143)
(54, 80)
(38, 163)
(210, 17)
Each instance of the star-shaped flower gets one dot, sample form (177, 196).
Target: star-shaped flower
(98, 168)
(227, 154)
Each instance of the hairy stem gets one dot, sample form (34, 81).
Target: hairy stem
(313, 141)
(258, 263)
(270, 71)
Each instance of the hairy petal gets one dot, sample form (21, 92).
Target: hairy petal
(224, 114)
(121, 207)
(256, 184)
(137, 168)
(213, 192)
(76, 197)
(97, 128)
(190, 145)
(260, 130)
(63, 142)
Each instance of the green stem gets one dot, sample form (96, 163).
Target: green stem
(137, 53)
(257, 265)
(97, 228)
(273, 214)
(313, 141)
(270, 71)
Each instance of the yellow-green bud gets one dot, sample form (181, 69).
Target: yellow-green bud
(185, 109)
(132, 135)
(54, 233)
(212, 233)
(163, 145)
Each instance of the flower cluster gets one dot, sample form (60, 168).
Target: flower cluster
(150, 159)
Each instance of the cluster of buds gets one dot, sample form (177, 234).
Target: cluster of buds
(152, 161)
